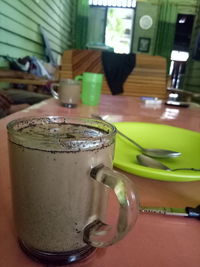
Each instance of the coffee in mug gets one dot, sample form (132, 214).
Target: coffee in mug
(68, 92)
(60, 171)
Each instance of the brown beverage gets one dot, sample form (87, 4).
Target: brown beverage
(54, 196)
(69, 92)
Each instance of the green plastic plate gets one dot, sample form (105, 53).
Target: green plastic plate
(151, 135)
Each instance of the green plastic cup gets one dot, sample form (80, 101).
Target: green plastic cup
(91, 88)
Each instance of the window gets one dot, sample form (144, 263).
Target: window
(111, 24)
(113, 3)
(118, 31)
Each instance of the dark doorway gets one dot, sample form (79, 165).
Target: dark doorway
(184, 25)
(180, 53)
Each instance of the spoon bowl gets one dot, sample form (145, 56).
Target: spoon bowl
(160, 153)
(152, 163)
(155, 153)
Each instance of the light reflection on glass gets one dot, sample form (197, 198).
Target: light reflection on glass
(153, 104)
(112, 118)
(170, 114)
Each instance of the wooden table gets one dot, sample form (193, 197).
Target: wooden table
(156, 240)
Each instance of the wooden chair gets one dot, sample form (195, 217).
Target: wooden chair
(149, 77)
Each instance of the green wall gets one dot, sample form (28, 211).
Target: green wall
(152, 8)
(192, 76)
(19, 27)
(145, 8)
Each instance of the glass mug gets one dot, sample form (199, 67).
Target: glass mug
(61, 169)
(69, 92)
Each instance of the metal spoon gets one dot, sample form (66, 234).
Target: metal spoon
(155, 153)
(152, 163)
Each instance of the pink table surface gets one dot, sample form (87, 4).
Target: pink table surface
(156, 240)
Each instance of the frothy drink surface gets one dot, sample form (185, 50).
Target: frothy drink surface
(53, 194)
(64, 130)
(70, 93)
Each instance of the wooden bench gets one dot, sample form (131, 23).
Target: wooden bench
(149, 77)
(20, 77)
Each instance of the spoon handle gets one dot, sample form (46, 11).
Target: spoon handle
(187, 169)
(130, 140)
(120, 133)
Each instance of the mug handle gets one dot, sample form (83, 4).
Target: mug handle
(53, 92)
(78, 78)
(97, 233)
